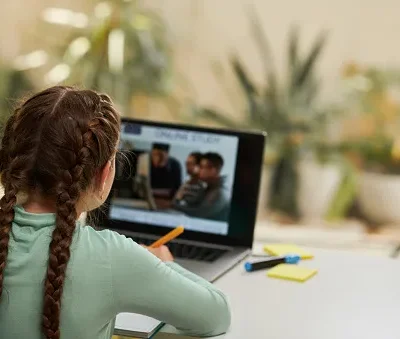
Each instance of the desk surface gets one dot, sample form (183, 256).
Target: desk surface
(352, 296)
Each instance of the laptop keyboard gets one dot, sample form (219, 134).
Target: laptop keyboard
(186, 251)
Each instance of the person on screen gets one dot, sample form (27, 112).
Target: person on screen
(165, 173)
(215, 203)
(191, 193)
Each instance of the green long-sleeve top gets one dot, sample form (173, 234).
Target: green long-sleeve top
(107, 274)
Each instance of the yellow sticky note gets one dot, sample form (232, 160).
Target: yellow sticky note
(291, 272)
(285, 249)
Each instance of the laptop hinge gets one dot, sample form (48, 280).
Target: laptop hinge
(179, 241)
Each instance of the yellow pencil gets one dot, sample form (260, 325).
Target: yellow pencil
(168, 237)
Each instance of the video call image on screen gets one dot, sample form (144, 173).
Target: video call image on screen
(170, 177)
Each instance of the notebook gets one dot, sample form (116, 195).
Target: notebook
(285, 249)
(136, 325)
(291, 272)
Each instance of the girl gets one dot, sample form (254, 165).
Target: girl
(61, 280)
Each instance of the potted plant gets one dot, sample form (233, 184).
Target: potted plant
(327, 184)
(371, 139)
(290, 113)
(121, 48)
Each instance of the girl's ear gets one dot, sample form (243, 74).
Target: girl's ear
(102, 178)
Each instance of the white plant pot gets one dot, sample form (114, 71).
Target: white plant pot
(265, 189)
(379, 197)
(318, 185)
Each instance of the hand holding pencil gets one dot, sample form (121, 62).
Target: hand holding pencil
(159, 249)
(163, 253)
(168, 237)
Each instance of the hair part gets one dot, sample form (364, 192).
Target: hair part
(54, 145)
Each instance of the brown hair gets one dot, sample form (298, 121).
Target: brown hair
(54, 145)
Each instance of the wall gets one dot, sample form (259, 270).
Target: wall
(205, 31)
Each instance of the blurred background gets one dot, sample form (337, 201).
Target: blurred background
(321, 77)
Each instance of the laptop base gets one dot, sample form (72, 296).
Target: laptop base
(213, 271)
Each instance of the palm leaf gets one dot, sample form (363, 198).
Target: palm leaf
(242, 76)
(293, 57)
(231, 94)
(265, 51)
(305, 69)
(345, 194)
(261, 41)
(293, 48)
(270, 114)
(249, 90)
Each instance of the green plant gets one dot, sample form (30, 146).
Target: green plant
(121, 48)
(379, 154)
(13, 85)
(375, 118)
(288, 110)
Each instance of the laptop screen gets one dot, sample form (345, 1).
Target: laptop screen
(168, 177)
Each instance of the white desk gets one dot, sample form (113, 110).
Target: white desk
(351, 297)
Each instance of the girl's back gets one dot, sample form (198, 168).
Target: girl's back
(86, 308)
(58, 279)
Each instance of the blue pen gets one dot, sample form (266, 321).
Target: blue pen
(271, 262)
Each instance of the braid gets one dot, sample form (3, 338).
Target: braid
(5, 144)
(68, 194)
(7, 204)
(13, 179)
(53, 147)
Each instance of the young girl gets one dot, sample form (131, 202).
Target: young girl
(57, 279)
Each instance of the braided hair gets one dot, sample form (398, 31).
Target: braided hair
(54, 145)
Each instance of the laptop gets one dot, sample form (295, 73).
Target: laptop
(204, 179)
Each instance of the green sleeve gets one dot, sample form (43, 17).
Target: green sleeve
(143, 284)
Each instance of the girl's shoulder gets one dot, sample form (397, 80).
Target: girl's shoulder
(103, 241)
(110, 248)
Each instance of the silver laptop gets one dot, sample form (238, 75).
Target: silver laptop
(204, 179)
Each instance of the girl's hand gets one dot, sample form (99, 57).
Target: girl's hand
(162, 252)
